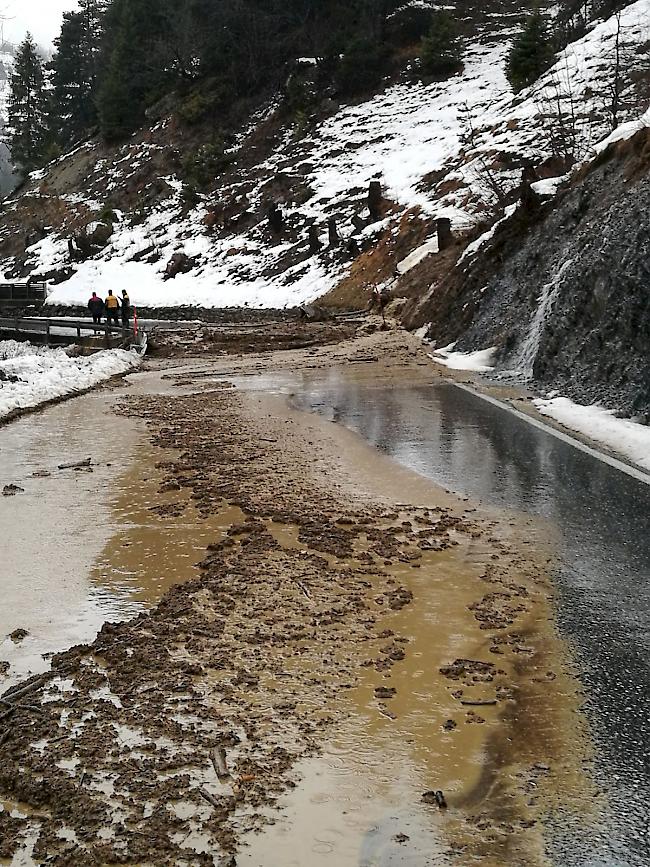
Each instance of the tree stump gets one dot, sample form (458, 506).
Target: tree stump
(276, 218)
(353, 248)
(445, 236)
(375, 201)
(314, 240)
(529, 199)
(333, 232)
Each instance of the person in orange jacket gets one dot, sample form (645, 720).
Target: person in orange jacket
(112, 305)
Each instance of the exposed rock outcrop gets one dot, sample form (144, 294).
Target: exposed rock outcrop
(564, 292)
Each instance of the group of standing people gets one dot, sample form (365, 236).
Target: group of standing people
(112, 307)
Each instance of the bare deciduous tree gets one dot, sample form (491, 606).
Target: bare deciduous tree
(487, 176)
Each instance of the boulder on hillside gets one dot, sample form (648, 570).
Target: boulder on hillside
(180, 263)
(98, 234)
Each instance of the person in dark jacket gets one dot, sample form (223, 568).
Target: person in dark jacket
(96, 307)
(126, 309)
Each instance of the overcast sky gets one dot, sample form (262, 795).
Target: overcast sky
(41, 17)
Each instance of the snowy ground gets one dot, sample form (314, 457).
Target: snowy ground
(427, 143)
(626, 437)
(47, 374)
(630, 439)
(480, 362)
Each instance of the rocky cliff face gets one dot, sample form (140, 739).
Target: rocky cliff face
(563, 290)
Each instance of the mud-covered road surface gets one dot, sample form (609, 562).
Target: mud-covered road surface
(599, 518)
(354, 641)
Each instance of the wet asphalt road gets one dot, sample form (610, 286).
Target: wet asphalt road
(602, 520)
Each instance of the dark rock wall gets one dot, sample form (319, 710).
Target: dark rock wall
(588, 253)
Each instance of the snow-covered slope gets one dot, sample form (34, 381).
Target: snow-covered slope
(437, 146)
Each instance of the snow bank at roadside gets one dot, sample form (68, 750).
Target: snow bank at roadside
(626, 437)
(479, 362)
(47, 374)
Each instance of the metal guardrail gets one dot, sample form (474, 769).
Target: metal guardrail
(23, 291)
(32, 325)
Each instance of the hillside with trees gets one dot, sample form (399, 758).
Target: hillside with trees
(114, 60)
(7, 54)
(269, 154)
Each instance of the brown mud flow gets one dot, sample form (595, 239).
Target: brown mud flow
(84, 545)
(356, 640)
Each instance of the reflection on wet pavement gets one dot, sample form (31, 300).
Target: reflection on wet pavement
(602, 521)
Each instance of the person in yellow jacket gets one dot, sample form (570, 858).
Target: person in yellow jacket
(112, 305)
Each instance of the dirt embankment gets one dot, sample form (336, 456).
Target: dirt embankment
(202, 339)
(111, 758)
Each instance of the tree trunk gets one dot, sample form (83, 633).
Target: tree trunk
(276, 218)
(314, 240)
(353, 248)
(529, 199)
(375, 201)
(333, 232)
(445, 236)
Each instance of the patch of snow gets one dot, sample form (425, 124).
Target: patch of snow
(429, 248)
(483, 239)
(549, 186)
(626, 437)
(47, 374)
(212, 286)
(421, 333)
(624, 131)
(479, 362)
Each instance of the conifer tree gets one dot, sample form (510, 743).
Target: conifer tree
(531, 53)
(441, 52)
(27, 135)
(137, 63)
(74, 73)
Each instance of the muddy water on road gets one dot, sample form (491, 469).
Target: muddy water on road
(360, 802)
(80, 548)
(600, 521)
(52, 532)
